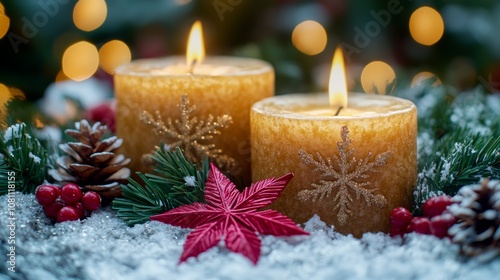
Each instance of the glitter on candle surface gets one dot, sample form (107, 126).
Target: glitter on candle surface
(192, 136)
(340, 177)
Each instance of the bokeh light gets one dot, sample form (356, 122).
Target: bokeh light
(4, 97)
(423, 78)
(4, 94)
(426, 26)
(113, 54)
(377, 76)
(88, 15)
(4, 22)
(7, 93)
(309, 37)
(80, 61)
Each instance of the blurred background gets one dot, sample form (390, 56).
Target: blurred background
(386, 42)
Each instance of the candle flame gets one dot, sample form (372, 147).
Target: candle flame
(338, 84)
(195, 47)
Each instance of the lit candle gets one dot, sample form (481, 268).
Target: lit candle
(352, 166)
(223, 87)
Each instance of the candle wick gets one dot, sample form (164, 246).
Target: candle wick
(338, 111)
(191, 67)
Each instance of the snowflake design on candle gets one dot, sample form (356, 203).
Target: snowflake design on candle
(350, 177)
(192, 136)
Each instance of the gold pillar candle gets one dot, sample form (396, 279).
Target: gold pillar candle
(220, 86)
(351, 169)
(201, 105)
(354, 159)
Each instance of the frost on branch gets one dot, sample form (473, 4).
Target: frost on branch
(350, 177)
(192, 136)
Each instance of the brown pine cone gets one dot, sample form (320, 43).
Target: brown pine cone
(92, 163)
(478, 211)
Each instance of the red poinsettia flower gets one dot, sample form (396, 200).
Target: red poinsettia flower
(232, 216)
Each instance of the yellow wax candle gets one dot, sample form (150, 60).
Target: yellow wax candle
(219, 86)
(351, 169)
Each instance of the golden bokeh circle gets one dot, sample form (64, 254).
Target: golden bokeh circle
(426, 26)
(89, 15)
(113, 54)
(423, 78)
(377, 77)
(4, 24)
(80, 61)
(309, 37)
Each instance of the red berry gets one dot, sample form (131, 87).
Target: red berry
(81, 211)
(67, 213)
(52, 210)
(396, 232)
(436, 205)
(46, 195)
(400, 218)
(58, 190)
(440, 224)
(91, 201)
(71, 194)
(419, 225)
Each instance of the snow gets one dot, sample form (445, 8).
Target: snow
(445, 172)
(12, 131)
(190, 181)
(425, 144)
(103, 247)
(35, 158)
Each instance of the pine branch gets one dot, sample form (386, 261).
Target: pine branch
(462, 163)
(437, 119)
(24, 155)
(168, 188)
(458, 141)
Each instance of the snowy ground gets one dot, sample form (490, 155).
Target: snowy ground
(103, 247)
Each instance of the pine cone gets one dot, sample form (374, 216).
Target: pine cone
(92, 163)
(478, 228)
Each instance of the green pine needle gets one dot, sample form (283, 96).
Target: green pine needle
(465, 163)
(21, 153)
(164, 190)
(462, 143)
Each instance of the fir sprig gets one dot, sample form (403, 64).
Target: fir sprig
(465, 163)
(459, 142)
(176, 182)
(22, 153)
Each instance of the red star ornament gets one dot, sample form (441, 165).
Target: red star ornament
(232, 216)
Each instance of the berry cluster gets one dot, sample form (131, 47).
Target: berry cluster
(436, 219)
(67, 203)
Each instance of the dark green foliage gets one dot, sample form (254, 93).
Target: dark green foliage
(463, 144)
(464, 163)
(21, 153)
(162, 191)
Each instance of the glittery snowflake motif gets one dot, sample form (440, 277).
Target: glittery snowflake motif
(192, 136)
(350, 177)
